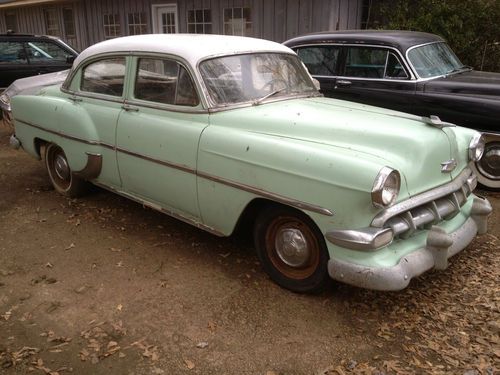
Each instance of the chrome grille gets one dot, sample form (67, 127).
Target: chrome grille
(429, 208)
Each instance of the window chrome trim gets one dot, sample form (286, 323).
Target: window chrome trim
(248, 188)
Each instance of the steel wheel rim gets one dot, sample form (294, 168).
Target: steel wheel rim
(292, 247)
(58, 167)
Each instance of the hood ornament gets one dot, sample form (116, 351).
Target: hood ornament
(448, 166)
(435, 121)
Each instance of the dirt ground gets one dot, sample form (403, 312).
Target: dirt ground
(101, 285)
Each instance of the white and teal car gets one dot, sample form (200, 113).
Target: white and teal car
(218, 131)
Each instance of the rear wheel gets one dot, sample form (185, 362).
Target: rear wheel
(60, 174)
(291, 249)
(488, 168)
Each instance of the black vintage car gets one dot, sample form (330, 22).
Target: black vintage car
(25, 55)
(411, 72)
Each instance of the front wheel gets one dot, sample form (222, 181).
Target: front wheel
(291, 249)
(60, 174)
(488, 168)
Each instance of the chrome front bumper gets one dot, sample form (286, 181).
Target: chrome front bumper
(439, 247)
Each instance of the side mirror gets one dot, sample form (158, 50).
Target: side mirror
(70, 59)
(316, 84)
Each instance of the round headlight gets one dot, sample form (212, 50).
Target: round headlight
(476, 147)
(386, 187)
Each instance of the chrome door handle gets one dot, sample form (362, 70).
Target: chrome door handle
(128, 108)
(343, 83)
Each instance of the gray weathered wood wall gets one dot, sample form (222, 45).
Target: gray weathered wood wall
(276, 20)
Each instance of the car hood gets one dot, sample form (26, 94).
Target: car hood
(32, 85)
(398, 140)
(466, 83)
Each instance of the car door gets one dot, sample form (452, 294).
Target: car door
(375, 76)
(96, 94)
(14, 62)
(158, 134)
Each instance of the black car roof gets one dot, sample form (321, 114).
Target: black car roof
(400, 39)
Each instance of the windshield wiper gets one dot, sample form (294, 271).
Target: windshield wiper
(272, 93)
(464, 68)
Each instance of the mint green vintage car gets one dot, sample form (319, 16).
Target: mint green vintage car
(219, 130)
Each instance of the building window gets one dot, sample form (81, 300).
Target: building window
(11, 21)
(69, 22)
(137, 23)
(237, 21)
(199, 21)
(111, 26)
(51, 22)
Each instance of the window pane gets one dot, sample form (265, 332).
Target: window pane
(237, 12)
(208, 29)
(69, 22)
(199, 28)
(104, 77)
(45, 52)
(191, 28)
(207, 16)
(12, 52)
(51, 22)
(365, 62)
(199, 15)
(228, 14)
(191, 16)
(11, 21)
(247, 14)
(394, 68)
(164, 81)
(321, 61)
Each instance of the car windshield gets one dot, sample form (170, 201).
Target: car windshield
(255, 77)
(433, 60)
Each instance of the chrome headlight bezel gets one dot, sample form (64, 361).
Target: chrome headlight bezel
(386, 187)
(476, 147)
(5, 102)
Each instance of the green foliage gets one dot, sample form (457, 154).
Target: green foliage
(471, 27)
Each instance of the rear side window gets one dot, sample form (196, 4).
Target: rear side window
(46, 52)
(105, 76)
(365, 62)
(12, 53)
(164, 81)
(320, 60)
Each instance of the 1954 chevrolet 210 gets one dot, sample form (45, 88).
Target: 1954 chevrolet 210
(216, 129)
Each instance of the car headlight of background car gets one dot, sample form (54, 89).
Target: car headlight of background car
(386, 187)
(476, 147)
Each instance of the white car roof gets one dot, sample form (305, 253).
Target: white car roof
(191, 47)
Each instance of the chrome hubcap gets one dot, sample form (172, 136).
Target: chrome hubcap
(291, 247)
(61, 167)
(489, 165)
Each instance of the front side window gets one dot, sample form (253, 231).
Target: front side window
(46, 52)
(433, 60)
(164, 81)
(254, 77)
(199, 21)
(320, 60)
(137, 23)
(238, 21)
(394, 69)
(112, 27)
(52, 22)
(105, 76)
(12, 53)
